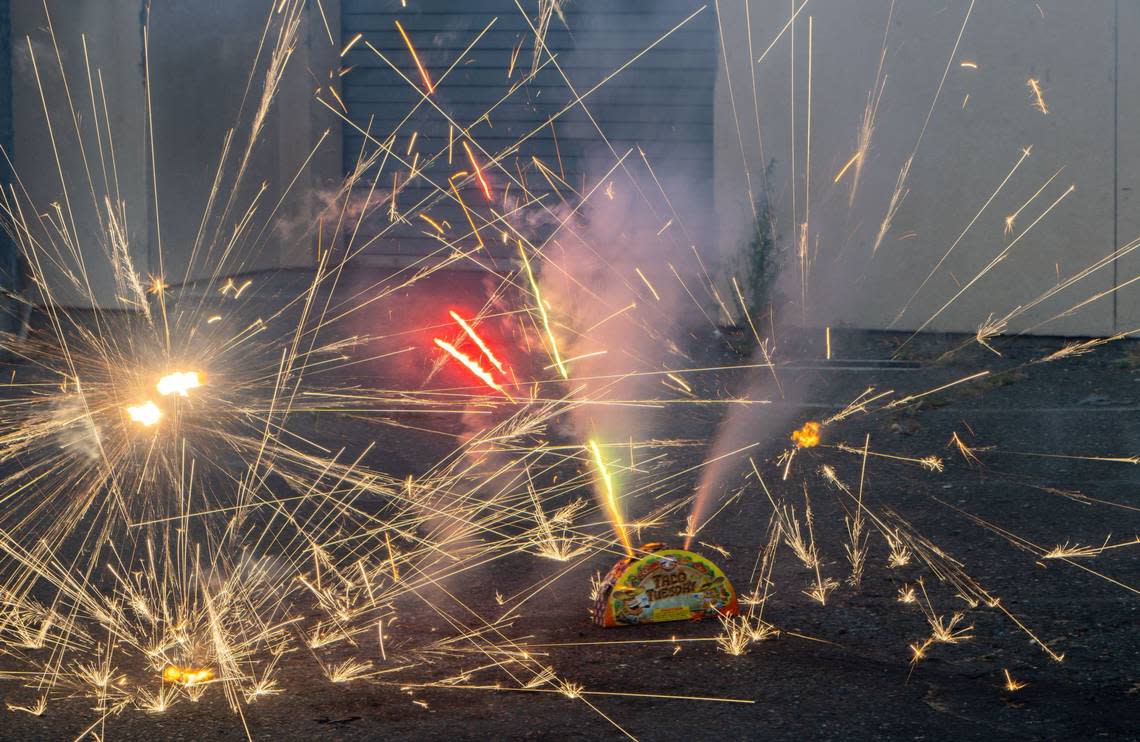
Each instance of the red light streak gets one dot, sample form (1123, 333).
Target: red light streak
(478, 341)
(472, 366)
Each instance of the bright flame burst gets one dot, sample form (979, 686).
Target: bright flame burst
(187, 675)
(179, 382)
(807, 436)
(146, 414)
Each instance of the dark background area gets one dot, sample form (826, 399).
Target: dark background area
(9, 261)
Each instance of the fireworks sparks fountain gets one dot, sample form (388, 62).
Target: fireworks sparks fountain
(224, 491)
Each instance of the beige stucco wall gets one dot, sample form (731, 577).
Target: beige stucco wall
(965, 153)
(200, 55)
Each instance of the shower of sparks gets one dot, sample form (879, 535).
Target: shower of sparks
(160, 551)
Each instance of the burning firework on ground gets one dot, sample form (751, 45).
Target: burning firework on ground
(240, 484)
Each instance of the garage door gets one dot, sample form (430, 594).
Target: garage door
(660, 104)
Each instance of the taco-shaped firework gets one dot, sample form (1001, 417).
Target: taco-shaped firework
(664, 585)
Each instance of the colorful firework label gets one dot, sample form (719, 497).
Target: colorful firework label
(665, 585)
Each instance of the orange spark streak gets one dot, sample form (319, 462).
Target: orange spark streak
(478, 341)
(348, 47)
(478, 172)
(472, 366)
(850, 162)
(432, 222)
(416, 59)
(1038, 99)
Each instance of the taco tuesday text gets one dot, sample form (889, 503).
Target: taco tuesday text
(666, 586)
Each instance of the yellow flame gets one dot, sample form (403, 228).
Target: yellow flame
(187, 675)
(179, 382)
(146, 414)
(807, 436)
(609, 498)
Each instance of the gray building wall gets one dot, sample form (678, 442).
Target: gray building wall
(114, 48)
(201, 53)
(1087, 59)
(202, 59)
(661, 106)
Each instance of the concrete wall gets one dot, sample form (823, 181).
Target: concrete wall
(201, 53)
(967, 149)
(114, 47)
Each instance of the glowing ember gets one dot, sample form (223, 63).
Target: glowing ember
(807, 436)
(179, 382)
(1012, 684)
(187, 675)
(146, 414)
